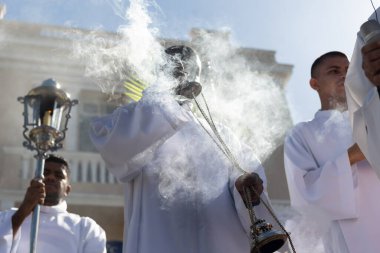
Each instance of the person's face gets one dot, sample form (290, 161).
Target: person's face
(329, 82)
(56, 183)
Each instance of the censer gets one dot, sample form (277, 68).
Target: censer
(264, 238)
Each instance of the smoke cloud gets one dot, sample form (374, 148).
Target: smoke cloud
(250, 103)
(241, 97)
(135, 51)
(247, 101)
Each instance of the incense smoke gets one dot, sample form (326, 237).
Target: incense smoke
(135, 51)
(247, 101)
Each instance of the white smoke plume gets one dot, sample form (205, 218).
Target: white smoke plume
(306, 233)
(337, 124)
(248, 102)
(134, 52)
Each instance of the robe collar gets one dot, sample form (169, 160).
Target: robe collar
(322, 114)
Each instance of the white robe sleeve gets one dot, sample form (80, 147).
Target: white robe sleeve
(364, 107)
(127, 138)
(92, 238)
(326, 189)
(7, 242)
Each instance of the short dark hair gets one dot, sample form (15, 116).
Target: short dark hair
(321, 59)
(60, 160)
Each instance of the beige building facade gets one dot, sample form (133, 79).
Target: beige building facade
(31, 53)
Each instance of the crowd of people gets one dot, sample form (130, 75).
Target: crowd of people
(213, 203)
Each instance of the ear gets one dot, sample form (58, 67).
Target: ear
(314, 84)
(68, 190)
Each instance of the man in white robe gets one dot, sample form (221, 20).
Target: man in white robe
(329, 180)
(181, 192)
(58, 231)
(362, 88)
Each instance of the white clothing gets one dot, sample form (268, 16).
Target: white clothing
(59, 231)
(180, 194)
(324, 187)
(364, 107)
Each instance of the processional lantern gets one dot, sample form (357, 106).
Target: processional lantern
(46, 115)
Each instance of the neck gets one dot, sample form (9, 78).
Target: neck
(52, 201)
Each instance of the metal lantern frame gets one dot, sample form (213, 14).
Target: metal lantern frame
(44, 108)
(39, 136)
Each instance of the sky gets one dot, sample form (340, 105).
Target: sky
(298, 31)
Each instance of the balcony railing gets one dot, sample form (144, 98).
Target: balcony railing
(85, 167)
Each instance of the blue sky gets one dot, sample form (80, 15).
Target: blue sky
(299, 31)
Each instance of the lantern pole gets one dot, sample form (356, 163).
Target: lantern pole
(36, 212)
